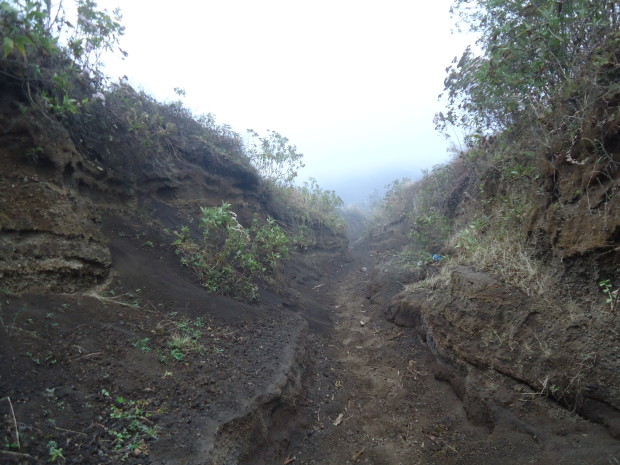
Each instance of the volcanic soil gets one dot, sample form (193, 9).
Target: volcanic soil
(376, 394)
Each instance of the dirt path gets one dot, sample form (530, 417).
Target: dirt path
(377, 396)
(374, 399)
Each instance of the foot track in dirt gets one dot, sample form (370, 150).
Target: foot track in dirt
(376, 396)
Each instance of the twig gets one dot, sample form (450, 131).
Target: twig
(14, 421)
(70, 431)
(115, 300)
(434, 440)
(318, 286)
(19, 454)
(395, 337)
(88, 355)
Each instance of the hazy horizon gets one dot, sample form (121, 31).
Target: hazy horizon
(352, 84)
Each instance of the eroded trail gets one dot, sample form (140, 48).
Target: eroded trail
(377, 395)
(374, 398)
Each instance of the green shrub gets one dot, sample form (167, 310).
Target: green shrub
(430, 229)
(56, 61)
(229, 258)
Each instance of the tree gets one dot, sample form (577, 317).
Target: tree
(275, 158)
(529, 51)
(50, 54)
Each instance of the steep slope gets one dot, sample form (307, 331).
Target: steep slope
(509, 263)
(111, 349)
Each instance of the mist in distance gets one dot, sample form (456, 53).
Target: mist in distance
(352, 84)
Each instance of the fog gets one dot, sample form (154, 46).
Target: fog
(353, 84)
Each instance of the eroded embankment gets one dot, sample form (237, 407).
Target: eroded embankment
(519, 366)
(385, 393)
(111, 350)
(480, 324)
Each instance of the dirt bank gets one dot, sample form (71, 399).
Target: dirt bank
(381, 393)
(111, 350)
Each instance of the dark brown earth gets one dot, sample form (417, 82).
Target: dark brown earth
(93, 294)
(378, 394)
(339, 363)
(266, 388)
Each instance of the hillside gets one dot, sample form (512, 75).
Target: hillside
(123, 339)
(168, 295)
(97, 305)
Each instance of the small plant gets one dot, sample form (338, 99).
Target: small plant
(55, 452)
(142, 344)
(34, 359)
(130, 426)
(50, 358)
(162, 357)
(33, 154)
(50, 395)
(177, 354)
(612, 296)
(185, 340)
(183, 343)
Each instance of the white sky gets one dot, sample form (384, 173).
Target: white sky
(352, 83)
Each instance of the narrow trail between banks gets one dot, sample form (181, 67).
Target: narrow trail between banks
(375, 394)
(373, 398)
(387, 408)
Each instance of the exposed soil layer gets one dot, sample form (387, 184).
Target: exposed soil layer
(378, 394)
(111, 351)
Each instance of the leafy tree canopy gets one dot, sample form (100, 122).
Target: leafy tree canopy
(529, 50)
(274, 157)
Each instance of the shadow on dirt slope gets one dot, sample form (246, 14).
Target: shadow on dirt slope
(111, 351)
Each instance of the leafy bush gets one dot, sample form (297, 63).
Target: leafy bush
(430, 230)
(531, 51)
(275, 158)
(54, 60)
(228, 258)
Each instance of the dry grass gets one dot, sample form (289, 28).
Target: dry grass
(506, 259)
(440, 280)
(184, 343)
(512, 263)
